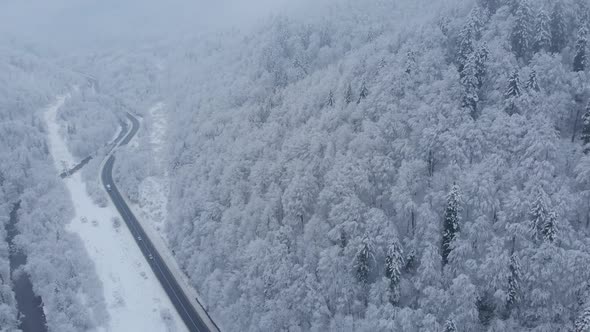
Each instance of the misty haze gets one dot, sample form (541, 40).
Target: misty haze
(294, 165)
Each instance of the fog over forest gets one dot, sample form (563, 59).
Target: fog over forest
(327, 165)
(91, 24)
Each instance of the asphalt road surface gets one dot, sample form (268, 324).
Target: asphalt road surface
(178, 298)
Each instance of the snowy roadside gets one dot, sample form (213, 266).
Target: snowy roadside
(153, 191)
(135, 299)
(151, 208)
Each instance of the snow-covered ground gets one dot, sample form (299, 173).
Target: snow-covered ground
(135, 299)
(153, 190)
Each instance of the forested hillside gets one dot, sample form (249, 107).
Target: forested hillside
(365, 170)
(59, 268)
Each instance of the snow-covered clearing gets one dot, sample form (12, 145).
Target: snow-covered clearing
(135, 299)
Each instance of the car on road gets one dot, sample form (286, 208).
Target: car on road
(151, 257)
(139, 238)
(108, 187)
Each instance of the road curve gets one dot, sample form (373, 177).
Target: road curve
(171, 286)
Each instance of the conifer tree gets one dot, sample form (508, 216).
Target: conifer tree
(581, 49)
(513, 283)
(466, 45)
(543, 218)
(549, 230)
(582, 323)
(522, 33)
(543, 32)
(558, 28)
(331, 99)
(363, 261)
(363, 94)
(481, 58)
(450, 326)
(451, 222)
(490, 5)
(348, 94)
(485, 308)
(513, 90)
(470, 84)
(532, 84)
(585, 137)
(394, 263)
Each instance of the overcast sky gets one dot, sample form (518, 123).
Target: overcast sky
(87, 23)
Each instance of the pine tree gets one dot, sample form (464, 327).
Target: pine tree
(490, 5)
(513, 283)
(522, 33)
(348, 94)
(470, 84)
(542, 32)
(451, 222)
(331, 99)
(363, 261)
(394, 263)
(481, 58)
(532, 84)
(363, 94)
(512, 5)
(543, 218)
(585, 137)
(513, 90)
(485, 308)
(558, 28)
(581, 49)
(450, 326)
(549, 230)
(466, 45)
(582, 323)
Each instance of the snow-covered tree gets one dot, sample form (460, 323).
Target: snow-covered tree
(363, 260)
(348, 95)
(394, 264)
(532, 84)
(450, 326)
(542, 32)
(513, 91)
(580, 59)
(542, 217)
(522, 33)
(330, 101)
(451, 222)
(550, 229)
(364, 93)
(582, 323)
(490, 5)
(470, 83)
(466, 45)
(481, 59)
(514, 280)
(585, 134)
(558, 27)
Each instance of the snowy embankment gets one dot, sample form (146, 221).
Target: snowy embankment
(135, 299)
(151, 207)
(153, 190)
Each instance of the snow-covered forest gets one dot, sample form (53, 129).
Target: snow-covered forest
(366, 170)
(374, 165)
(71, 293)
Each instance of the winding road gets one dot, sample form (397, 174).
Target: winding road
(179, 299)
